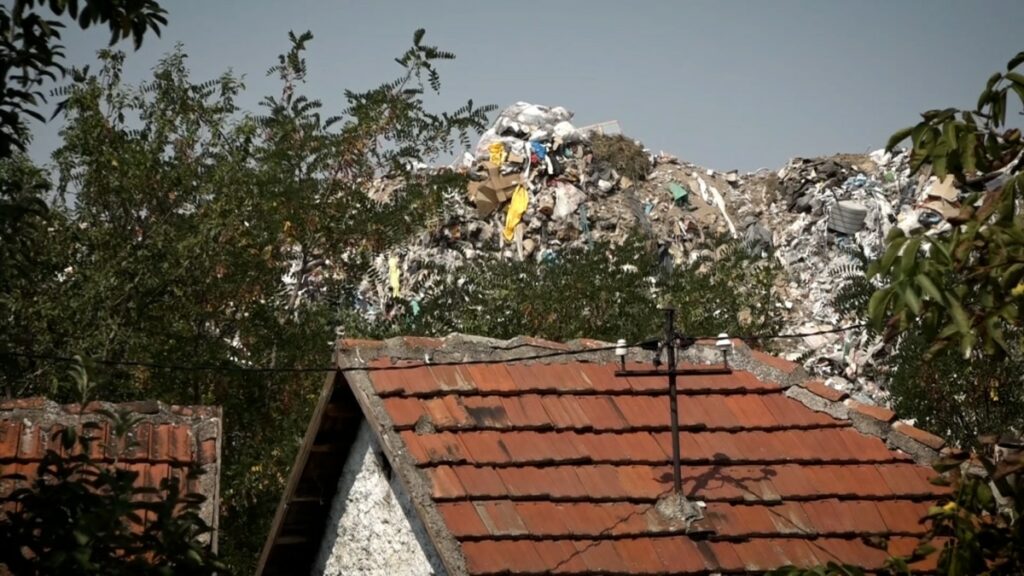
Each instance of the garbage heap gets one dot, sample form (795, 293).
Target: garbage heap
(538, 164)
(536, 189)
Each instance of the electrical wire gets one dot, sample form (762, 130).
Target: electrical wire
(257, 369)
(791, 335)
(271, 370)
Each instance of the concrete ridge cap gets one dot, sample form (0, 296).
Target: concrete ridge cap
(456, 347)
(922, 446)
(41, 406)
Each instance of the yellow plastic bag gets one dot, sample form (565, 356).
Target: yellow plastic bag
(497, 151)
(395, 276)
(516, 209)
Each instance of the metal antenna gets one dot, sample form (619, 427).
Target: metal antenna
(669, 343)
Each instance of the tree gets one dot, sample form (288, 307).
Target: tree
(964, 289)
(30, 56)
(30, 53)
(80, 515)
(187, 214)
(604, 292)
(950, 306)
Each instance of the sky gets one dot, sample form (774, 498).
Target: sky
(725, 84)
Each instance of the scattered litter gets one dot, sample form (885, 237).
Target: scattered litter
(535, 190)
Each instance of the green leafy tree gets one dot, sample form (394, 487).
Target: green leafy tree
(605, 292)
(30, 56)
(31, 53)
(186, 231)
(81, 515)
(964, 289)
(950, 305)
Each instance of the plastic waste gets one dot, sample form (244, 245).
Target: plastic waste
(680, 195)
(538, 149)
(928, 218)
(516, 209)
(847, 217)
(395, 276)
(567, 199)
(497, 153)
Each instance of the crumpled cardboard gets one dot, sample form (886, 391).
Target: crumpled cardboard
(494, 191)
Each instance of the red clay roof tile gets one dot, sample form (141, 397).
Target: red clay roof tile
(481, 482)
(486, 411)
(679, 555)
(462, 519)
(404, 412)
(560, 557)
(821, 389)
(926, 438)
(491, 378)
(445, 484)
(556, 468)
(775, 362)
(876, 412)
(500, 518)
(9, 436)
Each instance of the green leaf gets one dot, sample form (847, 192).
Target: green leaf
(890, 255)
(939, 166)
(897, 137)
(929, 288)
(986, 94)
(963, 325)
(950, 130)
(909, 256)
(1015, 61)
(968, 143)
(877, 305)
(912, 299)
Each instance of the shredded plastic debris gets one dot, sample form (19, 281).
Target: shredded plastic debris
(536, 190)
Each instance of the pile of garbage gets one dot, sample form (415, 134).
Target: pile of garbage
(535, 189)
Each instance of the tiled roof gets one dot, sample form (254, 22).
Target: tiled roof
(166, 442)
(558, 466)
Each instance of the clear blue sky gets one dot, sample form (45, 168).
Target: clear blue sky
(724, 84)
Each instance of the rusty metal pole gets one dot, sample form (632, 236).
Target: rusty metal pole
(677, 481)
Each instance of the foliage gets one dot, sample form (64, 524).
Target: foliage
(976, 531)
(964, 289)
(607, 292)
(186, 231)
(957, 398)
(30, 53)
(622, 154)
(81, 515)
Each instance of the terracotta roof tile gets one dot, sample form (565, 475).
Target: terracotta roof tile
(489, 378)
(876, 412)
(560, 556)
(404, 412)
(486, 411)
(165, 443)
(818, 387)
(680, 555)
(926, 438)
(480, 482)
(445, 483)
(500, 518)
(639, 556)
(541, 468)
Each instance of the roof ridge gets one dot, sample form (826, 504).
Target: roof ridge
(154, 408)
(922, 446)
